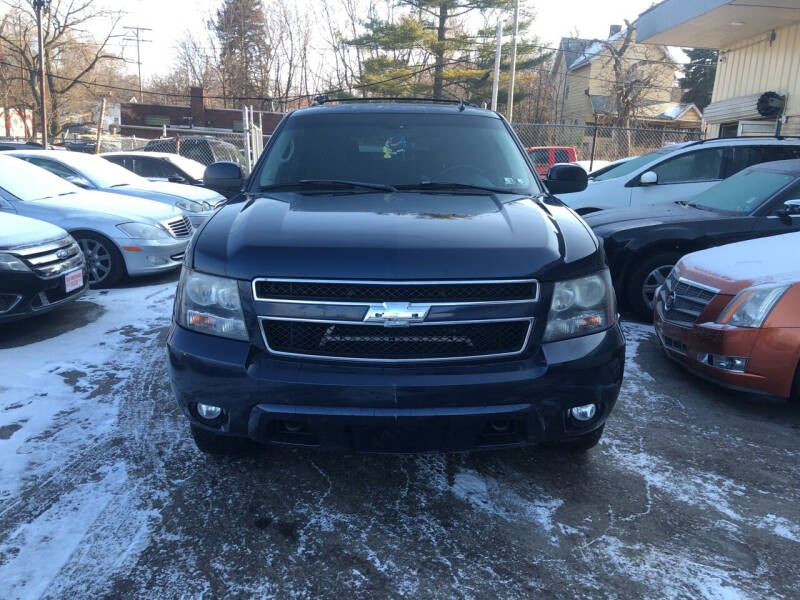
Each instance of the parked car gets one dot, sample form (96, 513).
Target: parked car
(677, 172)
(94, 173)
(117, 235)
(403, 282)
(204, 149)
(41, 267)
(544, 157)
(6, 145)
(730, 314)
(159, 166)
(643, 244)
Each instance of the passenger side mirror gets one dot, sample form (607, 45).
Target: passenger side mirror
(790, 208)
(225, 177)
(648, 178)
(564, 178)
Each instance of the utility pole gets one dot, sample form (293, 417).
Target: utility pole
(513, 63)
(39, 6)
(497, 52)
(100, 126)
(137, 33)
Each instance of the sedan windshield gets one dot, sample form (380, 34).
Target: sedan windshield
(742, 193)
(400, 150)
(102, 173)
(28, 182)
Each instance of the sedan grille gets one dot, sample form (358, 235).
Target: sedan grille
(365, 291)
(51, 259)
(682, 301)
(180, 227)
(377, 343)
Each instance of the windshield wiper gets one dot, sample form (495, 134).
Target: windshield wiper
(322, 183)
(66, 193)
(120, 185)
(453, 185)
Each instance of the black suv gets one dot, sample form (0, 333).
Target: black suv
(395, 278)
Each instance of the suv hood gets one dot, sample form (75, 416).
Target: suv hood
(618, 219)
(22, 231)
(392, 236)
(163, 191)
(733, 267)
(104, 204)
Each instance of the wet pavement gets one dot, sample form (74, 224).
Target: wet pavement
(693, 491)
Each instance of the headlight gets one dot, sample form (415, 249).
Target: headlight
(9, 262)
(210, 304)
(191, 206)
(143, 231)
(751, 306)
(580, 307)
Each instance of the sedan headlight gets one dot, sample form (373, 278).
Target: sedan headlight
(9, 262)
(580, 307)
(143, 231)
(751, 306)
(210, 304)
(192, 206)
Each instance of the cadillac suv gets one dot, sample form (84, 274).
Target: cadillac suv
(395, 278)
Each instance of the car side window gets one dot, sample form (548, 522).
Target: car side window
(540, 158)
(148, 167)
(696, 166)
(54, 167)
(747, 156)
(561, 156)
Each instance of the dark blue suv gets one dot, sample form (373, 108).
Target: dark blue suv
(395, 278)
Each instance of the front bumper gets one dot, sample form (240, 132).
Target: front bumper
(768, 370)
(152, 256)
(33, 295)
(397, 408)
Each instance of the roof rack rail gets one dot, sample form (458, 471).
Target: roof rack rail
(746, 137)
(324, 99)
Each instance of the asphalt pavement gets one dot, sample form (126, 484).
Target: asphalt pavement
(692, 493)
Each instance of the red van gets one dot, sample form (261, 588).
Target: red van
(544, 157)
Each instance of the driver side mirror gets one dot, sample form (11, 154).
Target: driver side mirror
(565, 178)
(648, 178)
(225, 177)
(790, 208)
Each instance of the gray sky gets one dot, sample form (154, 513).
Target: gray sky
(170, 18)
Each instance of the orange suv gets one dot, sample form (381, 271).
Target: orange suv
(732, 314)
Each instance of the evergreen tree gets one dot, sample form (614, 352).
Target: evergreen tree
(698, 79)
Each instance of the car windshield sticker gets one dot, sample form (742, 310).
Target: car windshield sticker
(394, 145)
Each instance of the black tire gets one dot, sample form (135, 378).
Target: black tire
(643, 281)
(209, 442)
(585, 442)
(104, 263)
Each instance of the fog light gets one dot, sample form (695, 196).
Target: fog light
(737, 364)
(583, 413)
(208, 412)
(157, 261)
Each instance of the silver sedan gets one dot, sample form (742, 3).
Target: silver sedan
(118, 235)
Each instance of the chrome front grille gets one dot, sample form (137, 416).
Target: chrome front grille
(52, 258)
(179, 227)
(683, 301)
(395, 321)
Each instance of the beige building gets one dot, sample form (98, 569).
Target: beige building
(583, 80)
(759, 47)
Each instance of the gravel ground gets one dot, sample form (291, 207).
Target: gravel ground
(693, 491)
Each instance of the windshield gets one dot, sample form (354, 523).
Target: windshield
(398, 150)
(192, 168)
(630, 166)
(102, 173)
(27, 182)
(744, 192)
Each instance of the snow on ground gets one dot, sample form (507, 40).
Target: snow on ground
(689, 493)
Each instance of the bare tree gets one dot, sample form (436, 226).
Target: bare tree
(71, 55)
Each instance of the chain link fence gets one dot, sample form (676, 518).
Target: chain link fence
(599, 144)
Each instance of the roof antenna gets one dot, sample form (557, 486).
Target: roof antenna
(461, 105)
(320, 100)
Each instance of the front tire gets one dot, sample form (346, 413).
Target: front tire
(644, 280)
(215, 444)
(585, 442)
(104, 263)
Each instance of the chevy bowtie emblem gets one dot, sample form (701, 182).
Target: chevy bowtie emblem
(396, 314)
(62, 253)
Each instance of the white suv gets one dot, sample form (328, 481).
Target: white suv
(677, 172)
